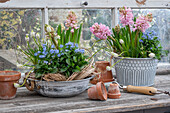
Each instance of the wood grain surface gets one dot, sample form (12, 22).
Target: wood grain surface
(30, 102)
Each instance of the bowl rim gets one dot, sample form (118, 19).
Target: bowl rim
(62, 81)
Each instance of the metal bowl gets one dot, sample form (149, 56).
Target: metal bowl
(61, 88)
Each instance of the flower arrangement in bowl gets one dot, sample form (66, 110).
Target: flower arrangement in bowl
(59, 67)
(135, 50)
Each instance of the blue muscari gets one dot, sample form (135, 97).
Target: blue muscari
(66, 50)
(69, 43)
(61, 46)
(56, 51)
(51, 51)
(72, 46)
(41, 56)
(77, 50)
(141, 40)
(150, 35)
(39, 52)
(58, 55)
(35, 54)
(44, 52)
(52, 46)
(82, 51)
(44, 45)
(45, 62)
(76, 45)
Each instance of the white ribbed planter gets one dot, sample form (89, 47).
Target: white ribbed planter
(136, 71)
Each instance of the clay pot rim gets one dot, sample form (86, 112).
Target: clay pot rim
(100, 92)
(13, 77)
(98, 62)
(114, 96)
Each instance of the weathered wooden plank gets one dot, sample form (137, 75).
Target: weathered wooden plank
(27, 101)
(76, 4)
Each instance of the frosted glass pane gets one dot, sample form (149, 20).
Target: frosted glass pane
(14, 25)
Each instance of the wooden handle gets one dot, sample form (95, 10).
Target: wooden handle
(141, 89)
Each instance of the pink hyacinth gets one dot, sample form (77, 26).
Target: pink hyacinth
(101, 31)
(142, 23)
(71, 21)
(126, 16)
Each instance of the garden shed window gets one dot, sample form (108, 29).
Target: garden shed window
(18, 18)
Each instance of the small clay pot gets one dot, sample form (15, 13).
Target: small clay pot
(105, 76)
(98, 92)
(7, 80)
(3, 1)
(114, 91)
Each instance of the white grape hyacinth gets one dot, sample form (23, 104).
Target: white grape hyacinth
(49, 29)
(18, 47)
(32, 34)
(114, 54)
(27, 37)
(121, 41)
(151, 55)
(58, 37)
(108, 68)
(37, 35)
(16, 85)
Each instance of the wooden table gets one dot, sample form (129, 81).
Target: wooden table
(27, 101)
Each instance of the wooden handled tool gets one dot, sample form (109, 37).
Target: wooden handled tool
(140, 89)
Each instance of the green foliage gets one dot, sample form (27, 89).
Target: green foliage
(150, 43)
(66, 60)
(67, 36)
(135, 44)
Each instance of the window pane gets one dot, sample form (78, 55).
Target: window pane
(14, 25)
(88, 17)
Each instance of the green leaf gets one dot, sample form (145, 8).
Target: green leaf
(59, 30)
(76, 70)
(79, 33)
(68, 61)
(77, 67)
(68, 32)
(54, 70)
(63, 69)
(75, 58)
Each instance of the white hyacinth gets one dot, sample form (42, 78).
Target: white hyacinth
(151, 55)
(114, 54)
(49, 29)
(16, 85)
(32, 34)
(108, 68)
(121, 41)
(37, 35)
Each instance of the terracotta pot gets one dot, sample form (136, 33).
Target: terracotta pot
(114, 91)
(98, 92)
(105, 76)
(3, 1)
(7, 80)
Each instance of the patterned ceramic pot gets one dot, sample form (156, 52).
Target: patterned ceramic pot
(136, 71)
